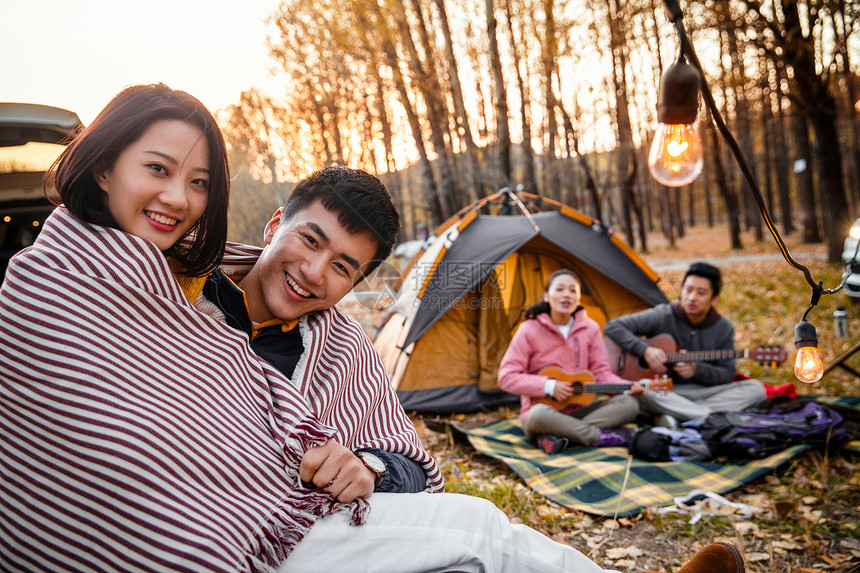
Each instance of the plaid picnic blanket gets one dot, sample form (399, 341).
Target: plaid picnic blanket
(591, 479)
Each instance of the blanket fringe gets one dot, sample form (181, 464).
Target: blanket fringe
(287, 526)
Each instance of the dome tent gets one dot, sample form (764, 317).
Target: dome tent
(461, 296)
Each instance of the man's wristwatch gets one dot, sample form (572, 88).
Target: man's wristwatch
(373, 463)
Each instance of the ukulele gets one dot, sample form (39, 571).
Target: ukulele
(632, 367)
(584, 387)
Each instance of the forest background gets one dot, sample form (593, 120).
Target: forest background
(448, 101)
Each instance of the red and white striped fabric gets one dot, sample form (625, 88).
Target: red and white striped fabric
(137, 434)
(343, 378)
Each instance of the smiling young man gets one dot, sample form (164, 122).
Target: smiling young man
(700, 387)
(337, 226)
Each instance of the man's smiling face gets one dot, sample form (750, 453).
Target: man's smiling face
(310, 263)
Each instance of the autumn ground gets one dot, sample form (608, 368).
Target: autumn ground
(810, 508)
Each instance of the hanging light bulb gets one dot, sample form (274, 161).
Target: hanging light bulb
(675, 158)
(807, 366)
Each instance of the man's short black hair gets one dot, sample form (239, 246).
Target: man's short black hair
(360, 201)
(706, 271)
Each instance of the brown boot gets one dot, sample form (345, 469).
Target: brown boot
(715, 558)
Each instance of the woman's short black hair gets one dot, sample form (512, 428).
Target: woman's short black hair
(122, 122)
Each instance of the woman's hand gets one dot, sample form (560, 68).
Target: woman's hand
(563, 390)
(637, 389)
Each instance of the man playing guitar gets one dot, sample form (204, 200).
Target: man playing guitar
(700, 387)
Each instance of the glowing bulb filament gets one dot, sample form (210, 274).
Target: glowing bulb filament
(675, 158)
(808, 367)
(675, 149)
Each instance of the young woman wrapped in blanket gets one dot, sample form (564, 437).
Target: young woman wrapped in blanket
(136, 433)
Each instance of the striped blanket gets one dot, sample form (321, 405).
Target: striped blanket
(135, 432)
(342, 377)
(605, 481)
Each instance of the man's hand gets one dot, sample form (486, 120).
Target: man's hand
(337, 470)
(656, 359)
(685, 369)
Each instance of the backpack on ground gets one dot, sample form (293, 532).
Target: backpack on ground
(741, 435)
(659, 444)
(760, 433)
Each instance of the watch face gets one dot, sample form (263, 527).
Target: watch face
(372, 462)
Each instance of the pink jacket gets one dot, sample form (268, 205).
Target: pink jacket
(538, 343)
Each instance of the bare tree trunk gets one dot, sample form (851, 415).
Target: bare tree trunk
(319, 112)
(729, 198)
(737, 74)
(834, 207)
(394, 179)
(626, 164)
(573, 141)
(480, 86)
(333, 112)
(710, 181)
(425, 77)
(691, 200)
(853, 151)
(811, 89)
(657, 69)
(464, 131)
(678, 217)
(769, 183)
(805, 190)
(782, 163)
(503, 134)
(550, 50)
(530, 182)
(667, 225)
(428, 180)
(766, 167)
(367, 135)
(728, 174)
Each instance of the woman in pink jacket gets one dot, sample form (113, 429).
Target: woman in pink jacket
(558, 332)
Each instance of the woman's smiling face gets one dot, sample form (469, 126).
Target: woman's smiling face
(158, 188)
(563, 297)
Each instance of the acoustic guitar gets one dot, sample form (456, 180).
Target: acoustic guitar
(632, 367)
(584, 387)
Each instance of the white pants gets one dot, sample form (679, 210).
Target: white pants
(423, 532)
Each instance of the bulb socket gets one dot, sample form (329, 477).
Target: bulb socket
(679, 94)
(805, 335)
